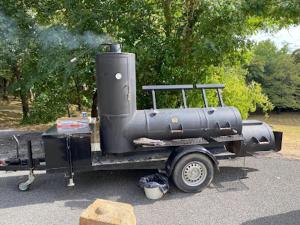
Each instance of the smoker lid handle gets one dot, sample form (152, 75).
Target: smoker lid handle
(266, 142)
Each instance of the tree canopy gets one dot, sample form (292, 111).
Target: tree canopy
(175, 41)
(278, 72)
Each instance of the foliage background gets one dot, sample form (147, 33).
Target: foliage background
(175, 41)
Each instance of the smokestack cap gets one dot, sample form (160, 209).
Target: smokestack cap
(114, 47)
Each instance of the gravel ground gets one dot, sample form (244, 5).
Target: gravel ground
(270, 195)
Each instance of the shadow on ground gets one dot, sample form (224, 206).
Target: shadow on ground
(289, 218)
(112, 185)
(231, 179)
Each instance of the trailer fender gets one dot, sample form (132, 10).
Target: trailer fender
(185, 150)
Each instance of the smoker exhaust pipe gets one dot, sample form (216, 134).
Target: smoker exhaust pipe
(113, 47)
(116, 88)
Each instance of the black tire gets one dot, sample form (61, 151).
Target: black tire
(192, 159)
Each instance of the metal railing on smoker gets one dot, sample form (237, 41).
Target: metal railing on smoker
(154, 88)
(203, 87)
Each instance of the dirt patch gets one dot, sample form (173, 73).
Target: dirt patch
(11, 116)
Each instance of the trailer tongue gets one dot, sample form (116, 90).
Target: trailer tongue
(184, 141)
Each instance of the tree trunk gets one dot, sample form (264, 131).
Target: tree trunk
(5, 94)
(25, 105)
(32, 95)
(68, 110)
(168, 17)
(78, 100)
(22, 93)
(94, 112)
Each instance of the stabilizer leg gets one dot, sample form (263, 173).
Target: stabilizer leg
(24, 186)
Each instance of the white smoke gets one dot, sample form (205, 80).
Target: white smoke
(56, 37)
(8, 30)
(59, 36)
(47, 37)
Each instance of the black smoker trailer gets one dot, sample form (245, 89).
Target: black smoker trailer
(184, 142)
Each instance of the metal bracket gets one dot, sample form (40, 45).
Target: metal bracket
(18, 145)
(227, 127)
(176, 131)
(264, 142)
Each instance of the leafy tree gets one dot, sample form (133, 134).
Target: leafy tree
(18, 53)
(61, 83)
(246, 97)
(175, 42)
(296, 55)
(278, 73)
(32, 54)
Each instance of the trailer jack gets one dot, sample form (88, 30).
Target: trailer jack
(24, 186)
(70, 179)
(71, 171)
(71, 182)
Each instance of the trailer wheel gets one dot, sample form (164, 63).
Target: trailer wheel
(193, 172)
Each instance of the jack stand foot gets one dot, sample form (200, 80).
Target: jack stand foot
(71, 182)
(24, 186)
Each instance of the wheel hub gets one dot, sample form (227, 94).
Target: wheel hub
(194, 173)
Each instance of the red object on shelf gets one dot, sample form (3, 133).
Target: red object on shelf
(71, 123)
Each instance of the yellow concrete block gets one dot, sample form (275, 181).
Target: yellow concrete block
(104, 212)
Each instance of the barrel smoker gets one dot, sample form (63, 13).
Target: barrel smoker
(185, 142)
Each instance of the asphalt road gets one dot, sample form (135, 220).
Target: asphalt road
(270, 195)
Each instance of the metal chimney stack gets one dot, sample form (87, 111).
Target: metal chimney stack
(116, 84)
